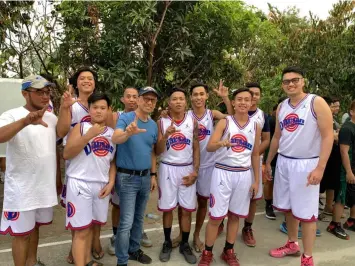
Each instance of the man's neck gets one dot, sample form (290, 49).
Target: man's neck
(199, 111)
(241, 117)
(253, 108)
(101, 124)
(294, 100)
(177, 116)
(142, 115)
(128, 110)
(83, 97)
(30, 108)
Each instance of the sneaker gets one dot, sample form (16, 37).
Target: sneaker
(230, 257)
(140, 257)
(111, 246)
(145, 241)
(338, 231)
(283, 229)
(248, 236)
(220, 228)
(186, 250)
(206, 258)
(306, 261)
(349, 225)
(321, 205)
(290, 249)
(164, 255)
(269, 212)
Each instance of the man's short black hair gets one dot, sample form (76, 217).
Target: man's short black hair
(240, 90)
(175, 89)
(293, 69)
(253, 85)
(334, 100)
(199, 85)
(74, 78)
(328, 100)
(97, 96)
(130, 87)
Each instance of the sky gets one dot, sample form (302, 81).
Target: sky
(318, 7)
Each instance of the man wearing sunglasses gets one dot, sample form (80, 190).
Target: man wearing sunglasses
(303, 139)
(30, 183)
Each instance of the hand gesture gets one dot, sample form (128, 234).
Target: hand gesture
(106, 190)
(170, 130)
(164, 113)
(35, 118)
(153, 183)
(226, 142)
(221, 91)
(95, 130)
(268, 172)
(190, 179)
(132, 128)
(67, 98)
(254, 190)
(315, 176)
(350, 178)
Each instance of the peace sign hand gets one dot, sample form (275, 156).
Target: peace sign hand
(35, 118)
(170, 130)
(132, 128)
(227, 142)
(221, 91)
(67, 98)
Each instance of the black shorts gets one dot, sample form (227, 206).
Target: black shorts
(346, 192)
(331, 177)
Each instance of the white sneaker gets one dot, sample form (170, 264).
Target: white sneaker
(146, 242)
(111, 245)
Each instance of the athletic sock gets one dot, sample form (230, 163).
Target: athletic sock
(167, 234)
(208, 248)
(228, 246)
(247, 224)
(185, 237)
(114, 230)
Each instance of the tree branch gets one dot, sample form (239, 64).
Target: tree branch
(193, 71)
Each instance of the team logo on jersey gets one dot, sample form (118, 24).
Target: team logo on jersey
(241, 143)
(291, 122)
(100, 146)
(86, 118)
(70, 209)
(203, 132)
(11, 216)
(50, 108)
(177, 141)
(212, 201)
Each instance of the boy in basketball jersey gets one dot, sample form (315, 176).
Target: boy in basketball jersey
(178, 146)
(74, 110)
(303, 139)
(235, 141)
(91, 176)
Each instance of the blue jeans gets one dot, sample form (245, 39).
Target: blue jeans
(134, 193)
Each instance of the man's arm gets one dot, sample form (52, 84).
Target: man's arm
(59, 183)
(64, 117)
(274, 145)
(9, 131)
(123, 131)
(344, 152)
(345, 141)
(215, 141)
(265, 136)
(196, 149)
(153, 169)
(160, 146)
(223, 92)
(112, 172)
(325, 125)
(217, 115)
(255, 157)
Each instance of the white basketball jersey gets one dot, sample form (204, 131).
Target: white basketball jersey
(205, 130)
(179, 146)
(50, 107)
(79, 113)
(237, 158)
(258, 117)
(92, 164)
(300, 135)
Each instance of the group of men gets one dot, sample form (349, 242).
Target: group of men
(109, 151)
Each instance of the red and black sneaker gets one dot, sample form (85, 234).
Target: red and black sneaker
(206, 258)
(349, 225)
(337, 230)
(230, 257)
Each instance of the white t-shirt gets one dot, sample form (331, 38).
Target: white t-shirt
(30, 178)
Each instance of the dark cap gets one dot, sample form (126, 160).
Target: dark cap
(145, 90)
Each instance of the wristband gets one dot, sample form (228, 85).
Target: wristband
(153, 174)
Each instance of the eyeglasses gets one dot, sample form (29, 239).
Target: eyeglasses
(148, 99)
(288, 81)
(41, 93)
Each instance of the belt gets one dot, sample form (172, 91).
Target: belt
(133, 172)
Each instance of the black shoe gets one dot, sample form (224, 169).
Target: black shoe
(349, 225)
(269, 212)
(337, 230)
(186, 250)
(140, 257)
(164, 255)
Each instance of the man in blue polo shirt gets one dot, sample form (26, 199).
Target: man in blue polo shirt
(136, 135)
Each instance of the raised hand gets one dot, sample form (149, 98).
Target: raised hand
(171, 130)
(164, 113)
(67, 98)
(222, 91)
(133, 129)
(95, 130)
(35, 118)
(227, 142)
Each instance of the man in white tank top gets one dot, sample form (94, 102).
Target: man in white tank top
(303, 138)
(91, 176)
(236, 141)
(178, 146)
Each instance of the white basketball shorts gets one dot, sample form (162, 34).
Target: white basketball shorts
(203, 183)
(259, 195)
(291, 193)
(171, 190)
(84, 207)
